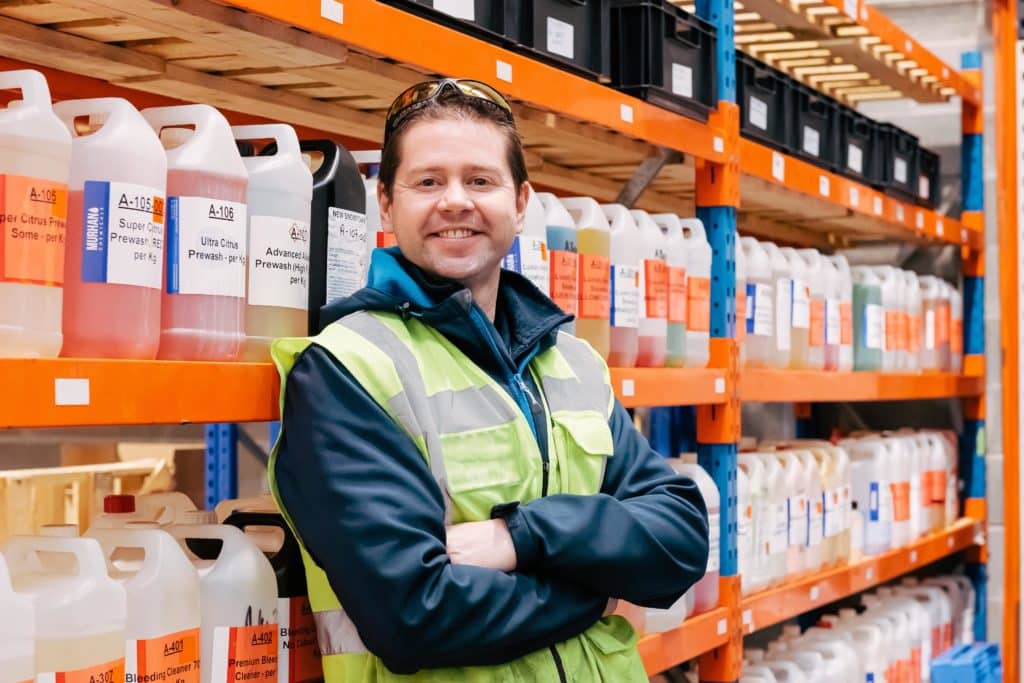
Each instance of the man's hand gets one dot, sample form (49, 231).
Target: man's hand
(483, 544)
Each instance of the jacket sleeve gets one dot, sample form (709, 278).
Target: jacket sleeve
(368, 510)
(643, 538)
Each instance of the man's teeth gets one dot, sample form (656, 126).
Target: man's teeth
(456, 234)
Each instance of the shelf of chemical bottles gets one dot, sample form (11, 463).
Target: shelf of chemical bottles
(697, 635)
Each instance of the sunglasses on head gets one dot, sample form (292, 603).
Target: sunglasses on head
(421, 94)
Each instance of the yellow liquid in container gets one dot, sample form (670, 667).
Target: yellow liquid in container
(72, 654)
(593, 243)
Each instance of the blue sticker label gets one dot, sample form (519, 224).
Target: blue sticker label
(173, 245)
(751, 307)
(873, 502)
(513, 259)
(95, 225)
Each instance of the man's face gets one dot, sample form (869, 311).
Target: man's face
(454, 208)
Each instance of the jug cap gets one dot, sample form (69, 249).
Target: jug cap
(119, 504)
(59, 530)
(200, 517)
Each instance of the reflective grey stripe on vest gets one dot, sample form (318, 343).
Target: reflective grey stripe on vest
(336, 634)
(586, 391)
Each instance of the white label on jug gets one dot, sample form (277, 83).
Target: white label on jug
(682, 80)
(714, 542)
(874, 327)
(760, 314)
(801, 302)
(151, 659)
(528, 256)
(758, 113)
(206, 246)
(833, 322)
(899, 170)
(929, 330)
(122, 234)
(460, 9)
(796, 510)
(278, 262)
(346, 253)
(560, 38)
(625, 283)
(812, 141)
(854, 158)
(854, 197)
(783, 306)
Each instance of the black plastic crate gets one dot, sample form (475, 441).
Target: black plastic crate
(856, 146)
(896, 160)
(765, 98)
(663, 54)
(481, 18)
(929, 176)
(572, 34)
(815, 133)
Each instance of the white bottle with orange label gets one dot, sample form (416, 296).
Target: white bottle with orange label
(654, 292)
(35, 160)
(676, 255)
(625, 293)
(698, 291)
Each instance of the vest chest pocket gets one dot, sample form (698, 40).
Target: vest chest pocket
(584, 443)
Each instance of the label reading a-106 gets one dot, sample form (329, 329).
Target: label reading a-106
(221, 212)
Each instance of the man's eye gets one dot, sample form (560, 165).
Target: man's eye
(428, 182)
(480, 182)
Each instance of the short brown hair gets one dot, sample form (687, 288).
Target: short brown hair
(452, 104)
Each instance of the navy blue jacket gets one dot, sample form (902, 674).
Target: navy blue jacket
(369, 511)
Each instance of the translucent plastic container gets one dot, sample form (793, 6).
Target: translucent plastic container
(528, 254)
(890, 283)
(744, 528)
(164, 508)
(901, 636)
(593, 296)
(705, 590)
(561, 235)
(626, 291)
(787, 671)
(899, 483)
(797, 482)
(868, 320)
(915, 319)
(35, 158)
(204, 284)
(934, 482)
(741, 302)
(757, 515)
(759, 318)
(698, 292)
(79, 610)
(935, 351)
(279, 198)
(776, 524)
(817, 279)
(845, 294)
(17, 632)
(782, 272)
(832, 286)
(800, 309)
(869, 475)
(956, 331)
(814, 489)
(654, 290)
(114, 254)
(676, 255)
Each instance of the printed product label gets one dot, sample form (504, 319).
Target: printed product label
(460, 9)
(529, 257)
(874, 327)
(934, 486)
(174, 658)
(698, 306)
(779, 530)
(899, 170)
(892, 328)
(929, 330)
(875, 502)
(885, 501)
(783, 309)
(564, 280)
(763, 318)
(832, 503)
(244, 653)
(122, 234)
(817, 331)
(914, 333)
(900, 500)
(846, 323)
(682, 80)
(942, 324)
(758, 113)
(855, 158)
(815, 522)
(298, 655)
(560, 38)
(812, 141)
(956, 337)
(833, 322)
(278, 262)
(714, 542)
(625, 284)
(594, 287)
(741, 314)
(800, 297)
(206, 246)
(346, 253)
(654, 285)
(903, 336)
(796, 510)
(33, 217)
(677, 295)
(749, 309)
(111, 672)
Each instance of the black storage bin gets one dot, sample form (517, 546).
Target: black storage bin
(663, 54)
(929, 174)
(572, 34)
(765, 98)
(481, 18)
(815, 133)
(896, 158)
(856, 146)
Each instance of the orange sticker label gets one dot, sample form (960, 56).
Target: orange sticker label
(148, 659)
(741, 314)
(111, 672)
(892, 330)
(846, 324)
(244, 653)
(698, 304)
(934, 485)
(298, 657)
(563, 279)
(817, 331)
(595, 287)
(33, 216)
(900, 501)
(942, 324)
(914, 333)
(656, 288)
(903, 331)
(956, 339)
(386, 239)
(677, 295)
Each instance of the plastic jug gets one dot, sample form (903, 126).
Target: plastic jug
(889, 280)
(114, 254)
(204, 282)
(796, 480)
(744, 529)
(915, 319)
(705, 590)
(741, 302)
(782, 272)
(593, 293)
(918, 627)
(754, 515)
(942, 625)
(832, 286)
(118, 511)
(17, 631)
(818, 280)
(829, 502)
(561, 236)
(869, 477)
(956, 331)
(899, 484)
(238, 591)
(624, 278)
(654, 290)
(933, 481)
(528, 254)
(935, 353)
(164, 508)
(698, 293)
(298, 658)
(917, 458)
(676, 255)
(800, 309)
(901, 638)
(839, 650)
(777, 522)
(868, 320)
(814, 664)
(869, 639)
(759, 312)
(35, 163)
(79, 610)
(814, 490)
(787, 671)
(162, 631)
(845, 295)
(757, 674)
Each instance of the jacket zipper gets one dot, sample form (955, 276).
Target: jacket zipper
(558, 664)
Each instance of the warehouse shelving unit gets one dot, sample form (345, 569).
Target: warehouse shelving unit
(332, 67)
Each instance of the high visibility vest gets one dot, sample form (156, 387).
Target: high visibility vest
(482, 452)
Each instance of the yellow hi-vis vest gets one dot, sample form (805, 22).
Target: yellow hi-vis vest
(482, 452)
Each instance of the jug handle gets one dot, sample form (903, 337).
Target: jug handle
(283, 135)
(32, 84)
(87, 551)
(326, 147)
(289, 547)
(116, 107)
(151, 543)
(202, 116)
(229, 536)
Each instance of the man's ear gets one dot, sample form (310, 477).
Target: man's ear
(522, 199)
(384, 202)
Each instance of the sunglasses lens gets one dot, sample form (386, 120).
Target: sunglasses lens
(417, 93)
(423, 92)
(484, 92)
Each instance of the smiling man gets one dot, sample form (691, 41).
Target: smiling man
(470, 498)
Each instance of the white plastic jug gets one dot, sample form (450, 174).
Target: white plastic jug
(741, 301)
(676, 255)
(593, 242)
(845, 289)
(915, 319)
(869, 477)
(899, 485)
(814, 489)
(279, 196)
(238, 591)
(832, 281)
(898, 638)
(35, 163)
(890, 282)
(705, 590)
(918, 628)
(797, 481)
(562, 242)
(79, 610)
(935, 350)
(753, 518)
(868, 320)
(626, 293)
(164, 508)
(757, 674)
(776, 524)
(162, 631)
(787, 671)
(818, 279)
(759, 313)
(744, 528)
(782, 272)
(654, 292)
(815, 665)
(17, 632)
(202, 316)
(839, 650)
(800, 308)
(870, 641)
(114, 253)
(698, 293)
(528, 254)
